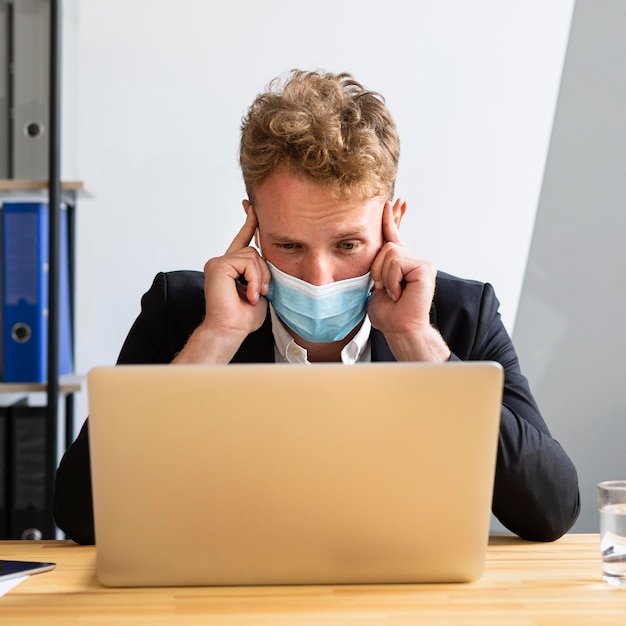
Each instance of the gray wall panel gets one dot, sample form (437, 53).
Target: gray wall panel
(570, 330)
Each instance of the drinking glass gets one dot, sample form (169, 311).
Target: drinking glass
(612, 505)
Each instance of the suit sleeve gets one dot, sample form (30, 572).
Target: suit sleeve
(536, 485)
(170, 311)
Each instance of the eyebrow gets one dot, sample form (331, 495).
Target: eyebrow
(345, 235)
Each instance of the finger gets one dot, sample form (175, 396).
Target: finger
(244, 269)
(256, 276)
(393, 268)
(390, 227)
(380, 269)
(244, 236)
(392, 275)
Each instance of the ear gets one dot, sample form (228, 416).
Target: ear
(399, 209)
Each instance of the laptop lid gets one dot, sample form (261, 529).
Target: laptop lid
(293, 474)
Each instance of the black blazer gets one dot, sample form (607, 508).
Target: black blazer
(536, 486)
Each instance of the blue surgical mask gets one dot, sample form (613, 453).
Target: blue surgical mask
(322, 313)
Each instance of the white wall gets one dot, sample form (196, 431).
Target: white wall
(156, 90)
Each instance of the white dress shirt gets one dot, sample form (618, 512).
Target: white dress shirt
(286, 350)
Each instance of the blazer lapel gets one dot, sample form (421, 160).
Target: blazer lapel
(379, 347)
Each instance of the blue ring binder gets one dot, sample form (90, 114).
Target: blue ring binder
(25, 298)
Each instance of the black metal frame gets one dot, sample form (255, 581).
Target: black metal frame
(45, 520)
(54, 183)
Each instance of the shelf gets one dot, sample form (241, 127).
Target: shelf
(69, 383)
(8, 184)
(72, 188)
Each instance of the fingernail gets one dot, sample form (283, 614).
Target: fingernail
(391, 296)
(378, 286)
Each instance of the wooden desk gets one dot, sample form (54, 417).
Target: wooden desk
(524, 583)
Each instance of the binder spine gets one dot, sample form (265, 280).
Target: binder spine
(25, 252)
(24, 511)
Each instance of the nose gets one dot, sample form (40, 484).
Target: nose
(317, 270)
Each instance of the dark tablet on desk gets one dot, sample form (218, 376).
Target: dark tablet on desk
(16, 569)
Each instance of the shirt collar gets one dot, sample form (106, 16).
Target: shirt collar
(288, 351)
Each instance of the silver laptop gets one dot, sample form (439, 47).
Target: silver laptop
(291, 474)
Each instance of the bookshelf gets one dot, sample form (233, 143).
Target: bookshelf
(14, 397)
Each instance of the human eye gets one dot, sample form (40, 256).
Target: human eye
(348, 246)
(287, 246)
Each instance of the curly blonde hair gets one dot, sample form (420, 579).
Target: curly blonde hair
(325, 126)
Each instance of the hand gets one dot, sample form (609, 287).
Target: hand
(404, 287)
(234, 307)
(233, 304)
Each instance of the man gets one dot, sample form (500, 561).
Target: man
(329, 279)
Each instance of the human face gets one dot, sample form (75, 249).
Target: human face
(305, 231)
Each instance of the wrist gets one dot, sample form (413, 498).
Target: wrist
(422, 344)
(210, 346)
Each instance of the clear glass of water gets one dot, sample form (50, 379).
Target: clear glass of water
(612, 504)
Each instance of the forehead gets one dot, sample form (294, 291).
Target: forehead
(287, 199)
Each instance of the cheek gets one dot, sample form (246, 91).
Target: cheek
(374, 248)
(367, 263)
(262, 245)
(359, 264)
(270, 255)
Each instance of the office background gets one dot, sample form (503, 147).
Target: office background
(153, 97)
